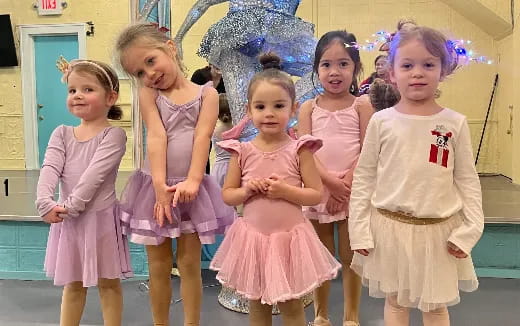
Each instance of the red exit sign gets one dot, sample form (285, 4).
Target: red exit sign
(49, 4)
(49, 7)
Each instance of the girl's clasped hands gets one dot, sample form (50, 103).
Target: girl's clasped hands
(273, 187)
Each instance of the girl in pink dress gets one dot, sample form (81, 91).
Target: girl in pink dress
(85, 246)
(272, 254)
(340, 120)
(171, 197)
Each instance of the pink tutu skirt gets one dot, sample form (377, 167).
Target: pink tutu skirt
(88, 247)
(207, 214)
(273, 267)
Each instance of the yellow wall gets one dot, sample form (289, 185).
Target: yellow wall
(501, 107)
(468, 91)
(516, 114)
(500, 7)
(108, 16)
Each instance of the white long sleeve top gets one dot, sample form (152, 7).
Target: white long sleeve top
(420, 166)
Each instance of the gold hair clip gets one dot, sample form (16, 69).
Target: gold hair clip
(64, 66)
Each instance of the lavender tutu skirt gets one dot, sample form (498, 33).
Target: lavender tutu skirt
(219, 171)
(207, 215)
(88, 247)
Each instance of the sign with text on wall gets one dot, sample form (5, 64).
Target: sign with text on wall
(49, 7)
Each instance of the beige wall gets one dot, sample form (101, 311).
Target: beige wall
(500, 7)
(468, 91)
(515, 84)
(501, 108)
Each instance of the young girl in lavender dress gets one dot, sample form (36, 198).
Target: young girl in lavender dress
(171, 197)
(85, 247)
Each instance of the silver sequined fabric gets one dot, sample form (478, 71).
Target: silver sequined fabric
(250, 28)
(255, 30)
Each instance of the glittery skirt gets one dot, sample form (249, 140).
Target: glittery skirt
(207, 215)
(256, 30)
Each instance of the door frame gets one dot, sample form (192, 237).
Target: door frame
(27, 34)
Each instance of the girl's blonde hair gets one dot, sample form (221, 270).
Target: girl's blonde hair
(224, 114)
(434, 41)
(145, 35)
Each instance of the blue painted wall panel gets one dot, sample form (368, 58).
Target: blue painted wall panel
(8, 234)
(22, 251)
(8, 259)
(498, 247)
(31, 260)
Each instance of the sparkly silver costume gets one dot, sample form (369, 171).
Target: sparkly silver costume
(252, 27)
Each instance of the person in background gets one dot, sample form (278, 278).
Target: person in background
(202, 76)
(381, 73)
(209, 73)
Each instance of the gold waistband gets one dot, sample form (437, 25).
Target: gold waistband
(400, 217)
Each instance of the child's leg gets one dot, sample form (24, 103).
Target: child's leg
(188, 262)
(160, 260)
(260, 314)
(351, 281)
(292, 312)
(321, 295)
(396, 315)
(111, 297)
(438, 317)
(72, 304)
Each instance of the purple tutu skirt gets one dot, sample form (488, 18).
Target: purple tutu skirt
(207, 215)
(219, 171)
(87, 248)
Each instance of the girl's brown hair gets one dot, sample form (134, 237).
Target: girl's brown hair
(272, 73)
(83, 66)
(224, 114)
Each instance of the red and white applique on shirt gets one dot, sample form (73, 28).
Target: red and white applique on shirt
(439, 152)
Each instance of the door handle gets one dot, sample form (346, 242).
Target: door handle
(40, 117)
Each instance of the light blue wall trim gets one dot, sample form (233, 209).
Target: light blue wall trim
(22, 251)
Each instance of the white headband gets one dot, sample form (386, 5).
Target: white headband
(66, 68)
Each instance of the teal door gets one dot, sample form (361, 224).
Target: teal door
(51, 93)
